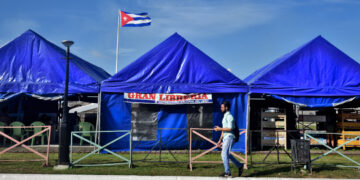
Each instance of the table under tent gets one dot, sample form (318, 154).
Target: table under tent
(32, 82)
(167, 91)
(301, 94)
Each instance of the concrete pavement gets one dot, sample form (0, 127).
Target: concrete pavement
(124, 177)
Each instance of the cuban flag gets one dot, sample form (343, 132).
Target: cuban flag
(134, 20)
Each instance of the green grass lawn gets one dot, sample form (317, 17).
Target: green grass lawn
(322, 169)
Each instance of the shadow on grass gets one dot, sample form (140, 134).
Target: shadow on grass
(321, 167)
(204, 166)
(270, 170)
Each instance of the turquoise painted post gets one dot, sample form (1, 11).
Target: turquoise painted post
(334, 149)
(71, 147)
(99, 148)
(130, 164)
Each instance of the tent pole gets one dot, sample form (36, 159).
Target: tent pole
(97, 134)
(247, 127)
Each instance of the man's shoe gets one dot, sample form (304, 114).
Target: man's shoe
(225, 175)
(241, 169)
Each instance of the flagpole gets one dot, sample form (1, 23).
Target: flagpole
(117, 43)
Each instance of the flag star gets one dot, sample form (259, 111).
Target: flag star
(125, 18)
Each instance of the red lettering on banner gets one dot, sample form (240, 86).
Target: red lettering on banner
(179, 97)
(161, 98)
(205, 96)
(172, 97)
(152, 96)
(198, 96)
(168, 97)
(131, 95)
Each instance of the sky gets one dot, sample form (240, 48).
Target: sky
(241, 35)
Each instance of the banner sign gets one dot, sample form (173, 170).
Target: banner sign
(194, 98)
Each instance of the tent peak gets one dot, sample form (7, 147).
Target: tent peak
(317, 68)
(31, 59)
(174, 66)
(176, 35)
(30, 31)
(319, 38)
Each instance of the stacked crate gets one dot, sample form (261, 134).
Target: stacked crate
(349, 123)
(273, 126)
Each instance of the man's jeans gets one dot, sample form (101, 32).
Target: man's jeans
(225, 154)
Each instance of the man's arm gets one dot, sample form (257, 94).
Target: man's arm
(219, 142)
(217, 128)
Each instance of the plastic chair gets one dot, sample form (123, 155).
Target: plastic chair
(17, 132)
(2, 130)
(86, 126)
(36, 130)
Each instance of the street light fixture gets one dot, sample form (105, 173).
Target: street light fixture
(64, 135)
(67, 43)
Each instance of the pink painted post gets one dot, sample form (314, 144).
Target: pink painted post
(192, 160)
(48, 147)
(21, 143)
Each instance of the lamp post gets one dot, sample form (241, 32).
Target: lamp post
(64, 137)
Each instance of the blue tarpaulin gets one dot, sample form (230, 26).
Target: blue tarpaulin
(32, 64)
(116, 115)
(316, 74)
(8, 96)
(315, 102)
(174, 66)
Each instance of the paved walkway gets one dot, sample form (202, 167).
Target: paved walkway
(112, 177)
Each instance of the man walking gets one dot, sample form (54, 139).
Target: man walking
(227, 136)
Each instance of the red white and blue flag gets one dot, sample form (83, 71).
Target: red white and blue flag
(134, 20)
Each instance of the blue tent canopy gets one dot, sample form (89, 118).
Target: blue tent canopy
(316, 70)
(174, 66)
(31, 64)
(315, 102)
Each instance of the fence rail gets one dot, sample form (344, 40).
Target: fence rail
(196, 131)
(77, 134)
(356, 137)
(22, 142)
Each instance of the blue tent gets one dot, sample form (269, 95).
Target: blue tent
(316, 74)
(32, 65)
(174, 66)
